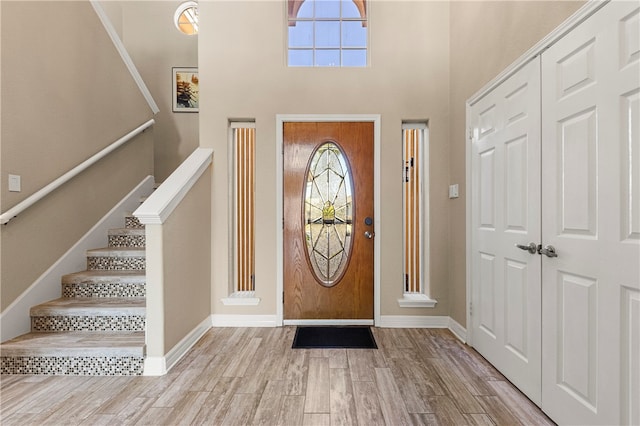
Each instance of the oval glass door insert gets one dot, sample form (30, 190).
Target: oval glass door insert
(328, 213)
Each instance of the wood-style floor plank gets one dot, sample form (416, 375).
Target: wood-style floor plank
(392, 405)
(292, 410)
(251, 376)
(343, 409)
(405, 380)
(367, 402)
(317, 398)
(316, 419)
(268, 410)
(296, 375)
(519, 405)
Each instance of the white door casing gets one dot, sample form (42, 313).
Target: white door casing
(505, 279)
(591, 216)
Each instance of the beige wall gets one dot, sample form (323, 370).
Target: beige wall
(66, 94)
(453, 49)
(155, 46)
(486, 37)
(243, 74)
(187, 271)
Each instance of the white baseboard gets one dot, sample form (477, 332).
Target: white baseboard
(15, 319)
(187, 342)
(413, 321)
(406, 321)
(155, 366)
(224, 320)
(159, 366)
(459, 331)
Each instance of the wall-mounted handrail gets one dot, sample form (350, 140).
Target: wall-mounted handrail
(119, 45)
(37, 196)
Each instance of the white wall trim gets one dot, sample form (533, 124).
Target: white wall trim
(412, 300)
(459, 331)
(241, 298)
(280, 120)
(413, 321)
(468, 219)
(187, 342)
(15, 319)
(157, 208)
(154, 366)
(329, 322)
(119, 45)
(230, 320)
(160, 365)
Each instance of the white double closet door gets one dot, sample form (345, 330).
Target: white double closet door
(555, 166)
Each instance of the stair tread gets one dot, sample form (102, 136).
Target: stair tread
(117, 251)
(76, 344)
(91, 306)
(126, 231)
(111, 275)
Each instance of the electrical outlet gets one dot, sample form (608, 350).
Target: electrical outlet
(14, 183)
(453, 191)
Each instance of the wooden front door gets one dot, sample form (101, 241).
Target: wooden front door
(328, 220)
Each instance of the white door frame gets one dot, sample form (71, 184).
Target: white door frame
(581, 14)
(285, 118)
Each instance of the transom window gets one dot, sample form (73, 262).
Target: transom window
(186, 18)
(327, 33)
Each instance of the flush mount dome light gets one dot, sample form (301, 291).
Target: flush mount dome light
(186, 18)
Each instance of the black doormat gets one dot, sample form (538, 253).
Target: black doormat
(313, 337)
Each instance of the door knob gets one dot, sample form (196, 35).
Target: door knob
(531, 248)
(548, 251)
(368, 234)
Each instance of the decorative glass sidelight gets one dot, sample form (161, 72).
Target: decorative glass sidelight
(328, 213)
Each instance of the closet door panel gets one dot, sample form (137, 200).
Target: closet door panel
(505, 279)
(590, 86)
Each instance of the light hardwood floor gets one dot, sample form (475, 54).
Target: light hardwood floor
(242, 376)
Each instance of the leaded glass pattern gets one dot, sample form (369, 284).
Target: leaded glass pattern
(328, 213)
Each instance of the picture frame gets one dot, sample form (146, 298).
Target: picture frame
(185, 89)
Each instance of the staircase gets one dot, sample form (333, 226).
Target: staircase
(97, 327)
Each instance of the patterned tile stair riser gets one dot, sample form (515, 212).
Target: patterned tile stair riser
(97, 327)
(77, 366)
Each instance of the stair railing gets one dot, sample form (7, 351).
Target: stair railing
(37, 196)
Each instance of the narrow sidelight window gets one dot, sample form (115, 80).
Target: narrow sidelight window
(415, 173)
(243, 136)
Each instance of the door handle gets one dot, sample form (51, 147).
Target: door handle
(548, 251)
(368, 234)
(531, 248)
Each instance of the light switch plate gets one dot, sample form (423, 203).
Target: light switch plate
(453, 191)
(14, 183)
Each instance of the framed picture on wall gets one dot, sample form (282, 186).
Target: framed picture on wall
(186, 90)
